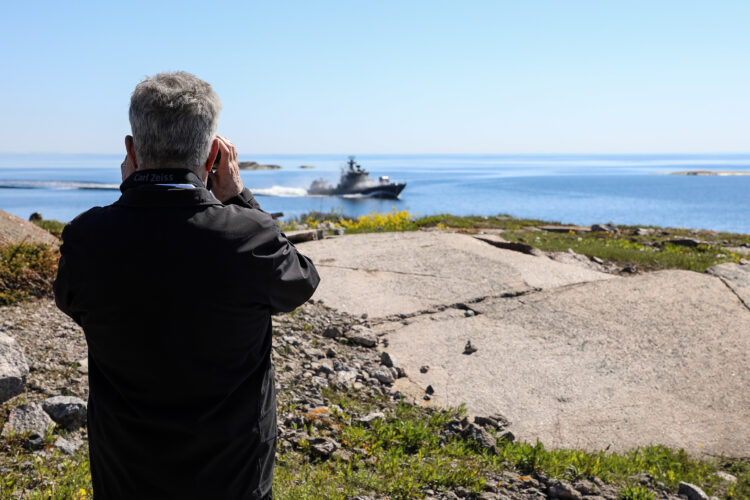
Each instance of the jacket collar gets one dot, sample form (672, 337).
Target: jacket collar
(161, 176)
(164, 187)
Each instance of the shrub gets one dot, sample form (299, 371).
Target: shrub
(26, 270)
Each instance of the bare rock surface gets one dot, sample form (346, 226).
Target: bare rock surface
(13, 368)
(14, 230)
(658, 358)
(383, 274)
(736, 277)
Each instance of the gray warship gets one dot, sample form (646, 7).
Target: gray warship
(356, 181)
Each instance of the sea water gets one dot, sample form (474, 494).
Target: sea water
(576, 189)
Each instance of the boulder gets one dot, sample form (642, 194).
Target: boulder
(28, 418)
(13, 368)
(67, 411)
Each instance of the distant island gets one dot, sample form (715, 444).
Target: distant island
(306, 166)
(254, 165)
(708, 172)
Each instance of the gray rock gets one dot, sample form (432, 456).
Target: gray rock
(362, 336)
(687, 242)
(644, 231)
(68, 411)
(506, 436)
(692, 491)
(563, 491)
(65, 446)
(480, 436)
(13, 368)
(28, 418)
(586, 487)
(83, 365)
(332, 332)
(724, 476)
(323, 447)
(388, 360)
(609, 228)
(424, 369)
(469, 313)
(370, 417)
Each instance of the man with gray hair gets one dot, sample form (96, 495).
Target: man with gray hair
(174, 286)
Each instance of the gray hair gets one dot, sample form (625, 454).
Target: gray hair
(173, 117)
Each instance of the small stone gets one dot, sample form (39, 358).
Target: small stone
(424, 369)
(507, 436)
(469, 349)
(323, 447)
(469, 313)
(370, 417)
(28, 418)
(319, 382)
(343, 455)
(563, 491)
(609, 228)
(332, 332)
(35, 442)
(691, 491)
(725, 476)
(65, 446)
(384, 375)
(429, 390)
(362, 336)
(388, 360)
(83, 365)
(426, 397)
(586, 487)
(330, 353)
(68, 411)
(480, 436)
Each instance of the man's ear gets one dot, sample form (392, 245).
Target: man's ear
(212, 154)
(131, 151)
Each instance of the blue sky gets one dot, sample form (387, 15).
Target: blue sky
(406, 76)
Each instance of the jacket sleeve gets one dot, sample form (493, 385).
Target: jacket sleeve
(290, 277)
(63, 285)
(244, 199)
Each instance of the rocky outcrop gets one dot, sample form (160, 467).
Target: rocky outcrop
(15, 230)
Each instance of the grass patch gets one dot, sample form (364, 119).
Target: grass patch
(407, 452)
(48, 475)
(53, 226)
(626, 249)
(27, 270)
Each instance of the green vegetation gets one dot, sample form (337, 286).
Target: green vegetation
(399, 457)
(53, 226)
(27, 270)
(51, 475)
(406, 453)
(628, 248)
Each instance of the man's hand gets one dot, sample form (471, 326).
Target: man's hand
(127, 167)
(226, 181)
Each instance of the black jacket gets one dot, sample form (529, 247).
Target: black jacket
(174, 291)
